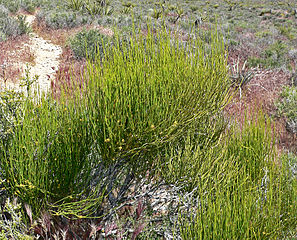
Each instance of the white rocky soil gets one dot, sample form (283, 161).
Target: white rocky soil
(46, 61)
(46, 58)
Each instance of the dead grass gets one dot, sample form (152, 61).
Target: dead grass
(261, 93)
(14, 53)
(69, 68)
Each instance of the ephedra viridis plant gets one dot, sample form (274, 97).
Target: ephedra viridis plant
(148, 97)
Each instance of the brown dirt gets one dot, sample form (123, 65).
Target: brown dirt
(14, 53)
(261, 93)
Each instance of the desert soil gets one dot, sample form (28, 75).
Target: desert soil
(46, 60)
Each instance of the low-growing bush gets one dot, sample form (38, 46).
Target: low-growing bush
(10, 108)
(148, 92)
(61, 18)
(143, 95)
(88, 44)
(11, 27)
(238, 189)
(2, 36)
(272, 57)
(45, 153)
(12, 6)
(12, 225)
(287, 106)
(3, 11)
(291, 161)
(29, 6)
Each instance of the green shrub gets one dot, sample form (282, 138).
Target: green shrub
(10, 108)
(75, 4)
(2, 36)
(286, 31)
(12, 6)
(148, 92)
(29, 5)
(11, 222)
(88, 44)
(240, 192)
(291, 161)
(46, 158)
(9, 26)
(272, 56)
(60, 18)
(287, 106)
(3, 11)
(23, 26)
(276, 50)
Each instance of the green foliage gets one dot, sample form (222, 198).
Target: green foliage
(286, 31)
(144, 94)
(290, 160)
(12, 6)
(240, 192)
(3, 11)
(2, 36)
(272, 56)
(23, 26)
(148, 92)
(12, 227)
(287, 106)
(240, 75)
(276, 51)
(10, 107)
(157, 13)
(29, 5)
(91, 7)
(75, 4)
(57, 19)
(263, 34)
(194, 8)
(27, 82)
(45, 156)
(186, 163)
(88, 44)
(95, 7)
(11, 27)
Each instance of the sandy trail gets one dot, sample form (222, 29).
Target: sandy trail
(46, 60)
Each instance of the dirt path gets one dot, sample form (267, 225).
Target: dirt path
(46, 58)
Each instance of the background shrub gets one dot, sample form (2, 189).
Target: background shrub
(88, 44)
(11, 27)
(12, 6)
(287, 106)
(62, 18)
(29, 5)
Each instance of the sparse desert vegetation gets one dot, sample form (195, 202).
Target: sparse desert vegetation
(164, 120)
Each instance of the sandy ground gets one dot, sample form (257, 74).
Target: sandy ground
(46, 61)
(46, 58)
